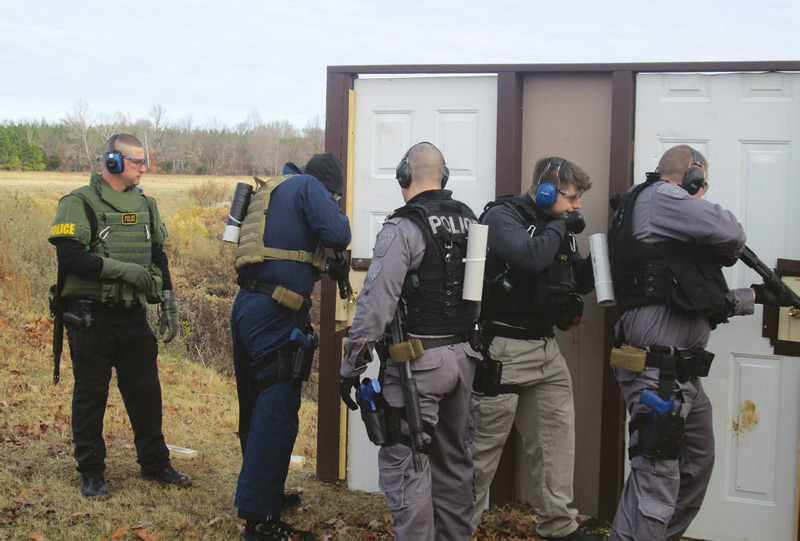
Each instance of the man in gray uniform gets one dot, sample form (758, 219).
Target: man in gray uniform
(417, 260)
(667, 248)
(533, 280)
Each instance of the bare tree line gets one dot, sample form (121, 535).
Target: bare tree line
(253, 147)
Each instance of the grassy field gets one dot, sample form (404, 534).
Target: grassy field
(39, 496)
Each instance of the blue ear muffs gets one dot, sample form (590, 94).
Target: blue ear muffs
(114, 162)
(547, 193)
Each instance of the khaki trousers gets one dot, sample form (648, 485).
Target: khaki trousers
(544, 415)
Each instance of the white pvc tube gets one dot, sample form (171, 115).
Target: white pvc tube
(598, 246)
(477, 237)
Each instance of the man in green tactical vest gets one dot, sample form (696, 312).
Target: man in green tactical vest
(108, 237)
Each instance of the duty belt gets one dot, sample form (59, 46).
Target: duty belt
(430, 343)
(672, 363)
(492, 329)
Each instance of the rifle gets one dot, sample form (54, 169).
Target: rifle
(57, 311)
(771, 280)
(409, 350)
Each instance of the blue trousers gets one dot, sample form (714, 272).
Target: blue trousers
(268, 420)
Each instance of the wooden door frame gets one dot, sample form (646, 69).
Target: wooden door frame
(508, 175)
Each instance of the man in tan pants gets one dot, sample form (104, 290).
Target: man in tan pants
(534, 274)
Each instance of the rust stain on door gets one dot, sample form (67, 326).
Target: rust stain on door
(747, 421)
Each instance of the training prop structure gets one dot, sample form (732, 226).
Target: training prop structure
(477, 237)
(239, 203)
(598, 246)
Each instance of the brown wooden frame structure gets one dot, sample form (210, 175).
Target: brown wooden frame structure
(508, 172)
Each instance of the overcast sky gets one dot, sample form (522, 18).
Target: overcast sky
(216, 62)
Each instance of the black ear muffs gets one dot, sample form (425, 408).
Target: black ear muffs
(114, 162)
(403, 170)
(547, 193)
(694, 178)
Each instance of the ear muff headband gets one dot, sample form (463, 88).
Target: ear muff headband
(547, 193)
(114, 162)
(694, 178)
(403, 170)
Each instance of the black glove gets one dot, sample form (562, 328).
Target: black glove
(575, 222)
(768, 296)
(337, 270)
(345, 385)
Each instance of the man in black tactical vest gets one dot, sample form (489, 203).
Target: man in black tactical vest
(108, 237)
(667, 247)
(418, 264)
(532, 281)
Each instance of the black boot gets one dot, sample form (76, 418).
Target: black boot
(274, 530)
(168, 476)
(93, 485)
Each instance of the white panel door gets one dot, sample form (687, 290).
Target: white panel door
(748, 127)
(459, 116)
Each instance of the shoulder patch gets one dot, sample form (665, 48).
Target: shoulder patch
(373, 272)
(383, 241)
(672, 190)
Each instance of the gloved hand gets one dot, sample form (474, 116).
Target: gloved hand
(575, 222)
(168, 318)
(345, 385)
(337, 270)
(769, 296)
(130, 272)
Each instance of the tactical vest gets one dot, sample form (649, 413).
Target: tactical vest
(517, 298)
(435, 307)
(124, 234)
(251, 249)
(687, 278)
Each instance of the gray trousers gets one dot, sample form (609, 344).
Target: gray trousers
(435, 503)
(661, 497)
(544, 414)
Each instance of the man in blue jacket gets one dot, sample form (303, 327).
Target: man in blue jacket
(279, 259)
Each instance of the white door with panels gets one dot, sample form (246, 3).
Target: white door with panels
(748, 127)
(457, 114)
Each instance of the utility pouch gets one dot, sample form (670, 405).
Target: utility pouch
(302, 359)
(476, 337)
(660, 438)
(694, 362)
(628, 357)
(488, 373)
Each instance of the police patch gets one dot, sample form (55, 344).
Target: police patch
(130, 218)
(384, 240)
(372, 273)
(62, 229)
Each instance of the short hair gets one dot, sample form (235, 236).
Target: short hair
(568, 173)
(124, 139)
(426, 162)
(676, 160)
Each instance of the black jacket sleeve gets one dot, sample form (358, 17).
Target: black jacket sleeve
(73, 257)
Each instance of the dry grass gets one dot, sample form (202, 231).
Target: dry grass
(39, 496)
